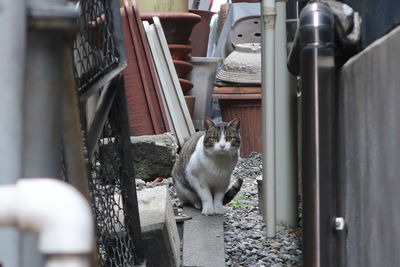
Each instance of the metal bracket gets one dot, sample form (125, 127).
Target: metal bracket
(269, 15)
(340, 224)
(54, 17)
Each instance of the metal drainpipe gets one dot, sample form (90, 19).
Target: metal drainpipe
(285, 129)
(268, 12)
(317, 72)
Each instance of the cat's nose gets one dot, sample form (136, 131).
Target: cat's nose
(222, 146)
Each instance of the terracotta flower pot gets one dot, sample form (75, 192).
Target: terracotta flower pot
(186, 85)
(177, 26)
(200, 33)
(182, 68)
(180, 52)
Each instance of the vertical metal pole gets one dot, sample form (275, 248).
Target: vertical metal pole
(48, 23)
(12, 55)
(317, 71)
(268, 114)
(119, 121)
(43, 120)
(285, 131)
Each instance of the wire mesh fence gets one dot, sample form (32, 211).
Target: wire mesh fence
(115, 244)
(98, 58)
(112, 192)
(98, 48)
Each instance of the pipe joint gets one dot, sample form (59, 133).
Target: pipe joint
(53, 16)
(316, 25)
(54, 210)
(269, 17)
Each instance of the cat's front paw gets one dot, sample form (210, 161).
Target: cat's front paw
(219, 210)
(208, 210)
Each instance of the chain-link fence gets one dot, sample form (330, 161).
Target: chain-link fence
(112, 191)
(108, 195)
(98, 48)
(99, 58)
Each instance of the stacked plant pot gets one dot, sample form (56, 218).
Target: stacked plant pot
(178, 27)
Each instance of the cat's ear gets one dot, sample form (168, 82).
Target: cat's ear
(235, 123)
(208, 123)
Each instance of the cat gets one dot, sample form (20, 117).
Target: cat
(202, 171)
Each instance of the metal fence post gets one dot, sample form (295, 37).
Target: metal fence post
(49, 24)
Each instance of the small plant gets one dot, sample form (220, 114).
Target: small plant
(236, 204)
(239, 204)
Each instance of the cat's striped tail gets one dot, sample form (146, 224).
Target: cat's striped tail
(232, 191)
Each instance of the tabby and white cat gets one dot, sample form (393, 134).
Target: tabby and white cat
(202, 172)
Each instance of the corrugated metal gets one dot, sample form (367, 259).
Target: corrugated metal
(369, 154)
(249, 112)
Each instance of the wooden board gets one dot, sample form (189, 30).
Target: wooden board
(182, 125)
(146, 111)
(237, 90)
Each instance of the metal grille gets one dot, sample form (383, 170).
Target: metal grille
(115, 244)
(97, 48)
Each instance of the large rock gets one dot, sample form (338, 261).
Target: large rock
(159, 230)
(153, 155)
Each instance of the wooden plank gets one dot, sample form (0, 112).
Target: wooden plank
(237, 90)
(174, 76)
(236, 96)
(182, 125)
(145, 105)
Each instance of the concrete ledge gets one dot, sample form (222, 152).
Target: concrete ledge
(203, 240)
(159, 230)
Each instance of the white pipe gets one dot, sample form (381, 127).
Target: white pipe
(67, 261)
(285, 130)
(268, 114)
(54, 210)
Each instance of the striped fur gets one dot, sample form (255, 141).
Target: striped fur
(232, 191)
(203, 168)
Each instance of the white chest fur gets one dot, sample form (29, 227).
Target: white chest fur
(212, 170)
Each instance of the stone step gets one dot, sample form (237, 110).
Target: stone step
(203, 240)
(159, 229)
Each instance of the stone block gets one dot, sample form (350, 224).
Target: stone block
(159, 230)
(153, 155)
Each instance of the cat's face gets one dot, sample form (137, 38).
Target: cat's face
(222, 137)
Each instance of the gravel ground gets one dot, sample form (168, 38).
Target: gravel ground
(245, 241)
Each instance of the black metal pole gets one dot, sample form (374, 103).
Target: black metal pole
(119, 120)
(317, 72)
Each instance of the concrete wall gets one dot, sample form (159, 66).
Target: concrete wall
(369, 153)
